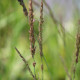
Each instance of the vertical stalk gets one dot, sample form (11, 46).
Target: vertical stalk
(40, 35)
(77, 49)
(31, 32)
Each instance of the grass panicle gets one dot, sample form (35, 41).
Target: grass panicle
(40, 35)
(77, 50)
(27, 65)
(40, 29)
(24, 7)
(77, 47)
(31, 32)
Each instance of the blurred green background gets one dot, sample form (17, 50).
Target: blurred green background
(58, 48)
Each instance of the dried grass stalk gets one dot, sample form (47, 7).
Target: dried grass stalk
(40, 35)
(32, 39)
(40, 29)
(24, 7)
(27, 65)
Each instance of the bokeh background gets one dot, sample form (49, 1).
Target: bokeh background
(59, 45)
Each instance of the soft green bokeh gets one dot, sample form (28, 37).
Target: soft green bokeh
(14, 32)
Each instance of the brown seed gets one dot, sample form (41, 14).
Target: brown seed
(34, 64)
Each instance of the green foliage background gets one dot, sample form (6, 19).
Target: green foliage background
(14, 32)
